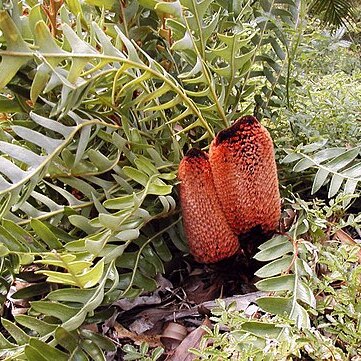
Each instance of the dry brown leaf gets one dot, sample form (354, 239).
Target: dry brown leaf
(175, 331)
(345, 238)
(198, 292)
(141, 325)
(287, 219)
(122, 332)
(128, 304)
(173, 335)
(154, 315)
(191, 341)
(163, 283)
(91, 327)
(19, 306)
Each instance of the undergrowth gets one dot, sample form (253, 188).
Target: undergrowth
(99, 101)
(323, 119)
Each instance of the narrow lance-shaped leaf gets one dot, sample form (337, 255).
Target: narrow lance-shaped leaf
(10, 65)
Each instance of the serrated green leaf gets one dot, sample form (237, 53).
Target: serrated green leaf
(93, 276)
(82, 223)
(145, 165)
(100, 160)
(10, 65)
(120, 202)
(173, 8)
(128, 235)
(185, 43)
(110, 221)
(66, 261)
(159, 189)
(62, 278)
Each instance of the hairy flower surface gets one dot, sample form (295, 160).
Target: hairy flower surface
(210, 238)
(245, 176)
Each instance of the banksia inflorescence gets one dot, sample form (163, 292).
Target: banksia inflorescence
(209, 236)
(245, 176)
(230, 194)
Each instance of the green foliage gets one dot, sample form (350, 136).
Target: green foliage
(339, 309)
(133, 353)
(313, 275)
(264, 339)
(104, 96)
(338, 165)
(321, 127)
(292, 322)
(287, 273)
(335, 12)
(99, 101)
(77, 345)
(326, 106)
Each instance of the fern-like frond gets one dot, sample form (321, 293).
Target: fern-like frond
(338, 167)
(334, 12)
(284, 275)
(129, 71)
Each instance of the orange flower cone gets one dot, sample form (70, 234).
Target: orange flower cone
(210, 238)
(245, 176)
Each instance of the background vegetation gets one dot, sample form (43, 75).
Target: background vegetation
(99, 101)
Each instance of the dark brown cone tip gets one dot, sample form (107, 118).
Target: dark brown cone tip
(233, 191)
(245, 176)
(196, 153)
(228, 133)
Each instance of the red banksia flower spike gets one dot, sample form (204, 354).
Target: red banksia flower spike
(245, 176)
(209, 236)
